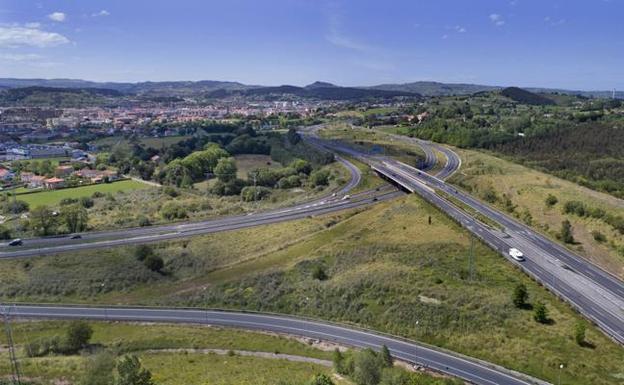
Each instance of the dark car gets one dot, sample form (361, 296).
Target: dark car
(16, 242)
(75, 236)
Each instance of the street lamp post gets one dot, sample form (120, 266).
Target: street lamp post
(560, 369)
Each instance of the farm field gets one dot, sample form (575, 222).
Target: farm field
(53, 197)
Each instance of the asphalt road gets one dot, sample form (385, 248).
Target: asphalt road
(466, 368)
(102, 239)
(595, 293)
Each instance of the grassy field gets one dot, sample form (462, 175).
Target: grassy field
(183, 354)
(528, 189)
(146, 141)
(386, 268)
(148, 341)
(374, 142)
(247, 163)
(53, 197)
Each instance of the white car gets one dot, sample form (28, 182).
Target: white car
(346, 197)
(516, 254)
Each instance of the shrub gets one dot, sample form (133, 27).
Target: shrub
(154, 262)
(319, 178)
(598, 236)
(78, 335)
(86, 202)
(144, 221)
(173, 210)
(566, 232)
(319, 273)
(520, 295)
(540, 313)
(551, 200)
(289, 182)
(251, 193)
(143, 251)
(321, 379)
(5, 233)
(579, 333)
(171, 191)
(233, 187)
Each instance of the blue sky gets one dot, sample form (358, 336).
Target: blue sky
(575, 44)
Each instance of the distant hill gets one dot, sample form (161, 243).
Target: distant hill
(213, 88)
(318, 84)
(436, 88)
(57, 97)
(331, 93)
(523, 96)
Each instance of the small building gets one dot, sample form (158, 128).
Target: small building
(54, 183)
(31, 180)
(63, 171)
(6, 175)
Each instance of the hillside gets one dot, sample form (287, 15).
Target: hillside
(58, 97)
(330, 93)
(436, 88)
(525, 97)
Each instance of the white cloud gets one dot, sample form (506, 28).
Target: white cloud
(101, 13)
(19, 57)
(17, 36)
(497, 19)
(32, 25)
(57, 16)
(460, 29)
(335, 36)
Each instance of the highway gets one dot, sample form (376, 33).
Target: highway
(471, 370)
(102, 239)
(595, 293)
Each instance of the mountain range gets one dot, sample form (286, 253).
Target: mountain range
(317, 89)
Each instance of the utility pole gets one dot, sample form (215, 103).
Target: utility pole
(14, 363)
(471, 258)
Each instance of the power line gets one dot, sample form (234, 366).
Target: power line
(12, 356)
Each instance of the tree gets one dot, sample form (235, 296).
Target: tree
(225, 169)
(541, 313)
(42, 220)
(78, 335)
(339, 361)
(131, 372)
(520, 295)
(367, 368)
(99, 370)
(318, 273)
(386, 357)
(551, 200)
(566, 232)
(141, 252)
(321, 379)
(75, 217)
(154, 262)
(579, 333)
(319, 178)
(5, 233)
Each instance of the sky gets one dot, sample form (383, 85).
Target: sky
(573, 44)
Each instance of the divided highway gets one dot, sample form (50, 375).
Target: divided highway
(595, 293)
(471, 370)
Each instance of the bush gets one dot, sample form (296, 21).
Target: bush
(154, 262)
(540, 313)
(14, 207)
(233, 187)
(566, 232)
(598, 236)
(144, 221)
(171, 191)
(68, 201)
(520, 296)
(78, 335)
(5, 233)
(289, 182)
(97, 194)
(250, 193)
(579, 333)
(551, 200)
(173, 210)
(86, 202)
(141, 252)
(321, 379)
(319, 273)
(319, 178)
(301, 166)
(131, 372)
